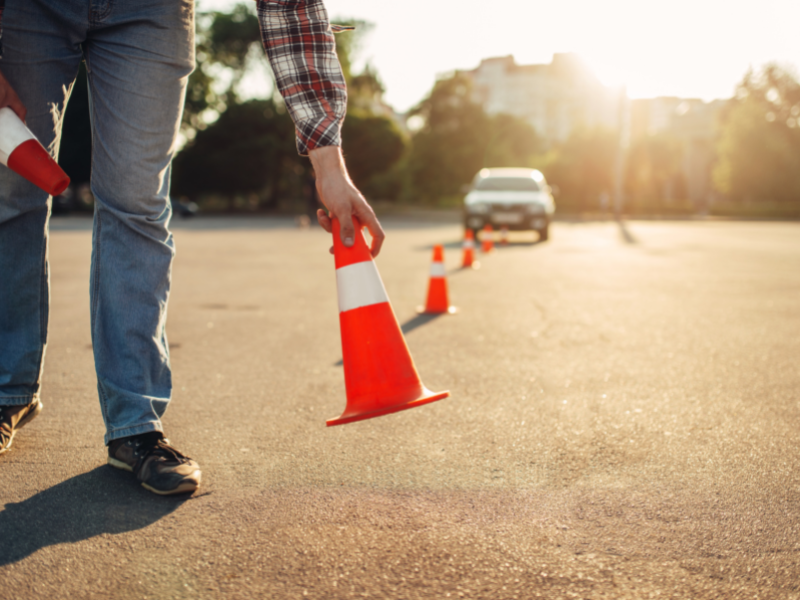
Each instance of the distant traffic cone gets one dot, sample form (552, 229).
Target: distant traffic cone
(504, 236)
(487, 238)
(437, 302)
(469, 251)
(379, 374)
(21, 152)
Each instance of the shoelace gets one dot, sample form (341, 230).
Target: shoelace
(154, 446)
(5, 428)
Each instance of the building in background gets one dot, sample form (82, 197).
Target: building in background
(554, 98)
(563, 96)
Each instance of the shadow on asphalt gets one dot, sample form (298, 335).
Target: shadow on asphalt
(418, 321)
(457, 245)
(408, 326)
(100, 501)
(627, 236)
(244, 221)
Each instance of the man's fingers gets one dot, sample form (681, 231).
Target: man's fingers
(324, 220)
(347, 230)
(15, 104)
(9, 98)
(369, 219)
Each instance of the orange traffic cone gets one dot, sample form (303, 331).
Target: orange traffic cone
(504, 236)
(379, 374)
(487, 238)
(437, 302)
(469, 251)
(21, 152)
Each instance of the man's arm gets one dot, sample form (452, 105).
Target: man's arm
(9, 98)
(299, 43)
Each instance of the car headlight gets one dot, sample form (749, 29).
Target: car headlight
(479, 208)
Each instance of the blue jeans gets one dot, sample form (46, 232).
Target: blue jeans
(139, 54)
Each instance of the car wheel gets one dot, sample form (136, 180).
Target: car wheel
(544, 234)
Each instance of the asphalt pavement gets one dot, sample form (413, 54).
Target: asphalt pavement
(624, 423)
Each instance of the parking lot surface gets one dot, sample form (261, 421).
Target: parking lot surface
(624, 423)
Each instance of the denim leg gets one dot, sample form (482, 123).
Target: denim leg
(41, 59)
(139, 54)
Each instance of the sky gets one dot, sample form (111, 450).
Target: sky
(686, 48)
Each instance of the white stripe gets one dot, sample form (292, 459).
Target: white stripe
(12, 133)
(437, 269)
(358, 285)
(469, 244)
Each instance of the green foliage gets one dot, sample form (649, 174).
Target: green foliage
(223, 43)
(364, 91)
(372, 144)
(250, 149)
(349, 43)
(654, 173)
(372, 141)
(231, 35)
(459, 138)
(583, 167)
(759, 149)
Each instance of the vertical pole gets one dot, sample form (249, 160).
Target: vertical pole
(623, 133)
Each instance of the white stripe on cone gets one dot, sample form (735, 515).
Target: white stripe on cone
(12, 133)
(469, 244)
(437, 269)
(359, 285)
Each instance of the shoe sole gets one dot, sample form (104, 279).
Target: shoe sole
(118, 464)
(184, 488)
(24, 421)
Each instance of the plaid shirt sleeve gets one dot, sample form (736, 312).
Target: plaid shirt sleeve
(299, 42)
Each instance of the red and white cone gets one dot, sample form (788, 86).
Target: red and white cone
(379, 374)
(437, 302)
(21, 152)
(487, 239)
(468, 260)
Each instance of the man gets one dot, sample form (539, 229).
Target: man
(139, 54)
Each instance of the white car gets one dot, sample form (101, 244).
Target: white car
(518, 199)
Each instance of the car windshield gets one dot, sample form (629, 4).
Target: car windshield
(507, 184)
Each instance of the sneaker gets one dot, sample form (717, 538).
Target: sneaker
(160, 467)
(16, 417)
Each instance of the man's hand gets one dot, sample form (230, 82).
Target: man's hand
(342, 198)
(9, 98)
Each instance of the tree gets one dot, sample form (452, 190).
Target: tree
(513, 143)
(654, 170)
(759, 147)
(224, 41)
(583, 166)
(372, 140)
(372, 144)
(458, 139)
(249, 149)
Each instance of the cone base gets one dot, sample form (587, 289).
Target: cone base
(451, 310)
(427, 397)
(474, 265)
